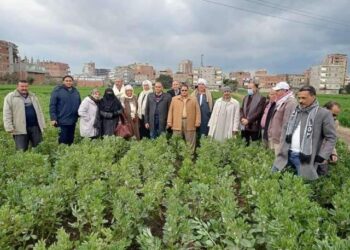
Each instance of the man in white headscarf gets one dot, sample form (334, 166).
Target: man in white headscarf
(224, 121)
(142, 100)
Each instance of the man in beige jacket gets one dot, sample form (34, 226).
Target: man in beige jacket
(184, 116)
(23, 117)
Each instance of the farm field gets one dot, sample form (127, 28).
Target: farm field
(117, 194)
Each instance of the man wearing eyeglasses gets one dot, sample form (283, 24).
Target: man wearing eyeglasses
(184, 116)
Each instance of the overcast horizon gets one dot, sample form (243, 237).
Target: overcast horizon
(164, 32)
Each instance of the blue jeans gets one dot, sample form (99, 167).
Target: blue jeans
(293, 161)
(154, 134)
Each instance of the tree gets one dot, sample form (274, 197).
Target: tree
(231, 83)
(166, 80)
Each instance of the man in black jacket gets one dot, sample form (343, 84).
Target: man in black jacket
(175, 89)
(156, 112)
(64, 105)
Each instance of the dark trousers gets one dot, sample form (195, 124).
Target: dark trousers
(144, 132)
(250, 136)
(33, 136)
(66, 134)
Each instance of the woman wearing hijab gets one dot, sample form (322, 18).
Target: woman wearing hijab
(142, 100)
(89, 115)
(129, 101)
(110, 109)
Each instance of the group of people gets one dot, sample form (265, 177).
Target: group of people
(300, 132)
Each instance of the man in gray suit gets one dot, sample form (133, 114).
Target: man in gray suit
(156, 112)
(308, 138)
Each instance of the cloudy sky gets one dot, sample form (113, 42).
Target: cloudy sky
(232, 34)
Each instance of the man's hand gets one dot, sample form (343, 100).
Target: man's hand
(333, 158)
(244, 121)
(147, 125)
(168, 125)
(53, 123)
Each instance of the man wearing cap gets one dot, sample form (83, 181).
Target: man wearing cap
(251, 112)
(205, 101)
(285, 105)
(118, 88)
(224, 121)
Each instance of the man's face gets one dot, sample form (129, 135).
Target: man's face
(184, 92)
(68, 82)
(280, 93)
(175, 85)
(227, 95)
(305, 99)
(158, 88)
(146, 87)
(252, 87)
(272, 95)
(335, 111)
(201, 87)
(22, 88)
(119, 83)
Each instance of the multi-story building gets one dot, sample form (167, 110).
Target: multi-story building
(185, 66)
(167, 72)
(55, 70)
(89, 69)
(143, 72)
(296, 81)
(240, 76)
(8, 57)
(102, 72)
(30, 71)
(90, 81)
(213, 75)
(183, 78)
(267, 81)
(329, 77)
(122, 72)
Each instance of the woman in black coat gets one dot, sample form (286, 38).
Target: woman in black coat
(110, 109)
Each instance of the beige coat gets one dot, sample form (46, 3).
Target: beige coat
(14, 113)
(175, 113)
(233, 116)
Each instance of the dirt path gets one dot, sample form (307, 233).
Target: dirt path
(344, 134)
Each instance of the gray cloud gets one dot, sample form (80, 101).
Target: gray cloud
(163, 32)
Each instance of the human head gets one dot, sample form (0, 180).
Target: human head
(95, 93)
(184, 90)
(252, 87)
(129, 91)
(158, 88)
(281, 89)
(202, 84)
(119, 82)
(306, 96)
(147, 85)
(334, 107)
(68, 81)
(109, 94)
(226, 92)
(22, 87)
(272, 95)
(175, 85)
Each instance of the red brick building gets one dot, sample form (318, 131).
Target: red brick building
(55, 70)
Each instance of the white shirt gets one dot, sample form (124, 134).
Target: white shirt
(295, 145)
